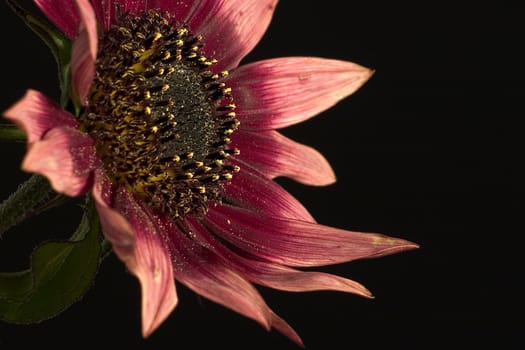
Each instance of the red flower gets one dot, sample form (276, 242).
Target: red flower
(180, 156)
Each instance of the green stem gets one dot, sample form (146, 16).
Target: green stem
(32, 197)
(11, 133)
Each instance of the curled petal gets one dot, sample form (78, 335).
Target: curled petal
(250, 189)
(279, 92)
(62, 13)
(137, 242)
(276, 155)
(208, 275)
(231, 28)
(115, 227)
(84, 51)
(274, 275)
(66, 157)
(297, 243)
(36, 114)
(202, 271)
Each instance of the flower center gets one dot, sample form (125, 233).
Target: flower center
(161, 120)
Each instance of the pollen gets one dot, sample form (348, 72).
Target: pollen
(161, 117)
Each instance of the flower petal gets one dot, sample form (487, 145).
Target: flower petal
(206, 274)
(36, 114)
(114, 226)
(274, 275)
(62, 13)
(137, 241)
(105, 11)
(250, 189)
(179, 9)
(66, 157)
(84, 51)
(279, 92)
(276, 155)
(297, 243)
(282, 326)
(231, 28)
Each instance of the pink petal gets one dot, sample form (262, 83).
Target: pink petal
(276, 155)
(209, 275)
(84, 51)
(66, 157)
(205, 273)
(279, 92)
(36, 114)
(105, 12)
(182, 10)
(282, 326)
(105, 9)
(297, 243)
(137, 241)
(250, 189)
(274, 275)
(62, 13)
(115, 227)
(231, 29)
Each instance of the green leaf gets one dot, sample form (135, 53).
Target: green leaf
(59, 44)
(60, 274)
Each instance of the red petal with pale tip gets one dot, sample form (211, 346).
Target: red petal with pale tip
(274, 275)
(66, 157)
(231, 29)
(297, 243)
(138, 243)
(84, 51)
(280, 92)
(249, 188)
(63, 13)
(36, 114)
(276, 155)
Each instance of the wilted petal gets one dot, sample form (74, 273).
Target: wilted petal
(138, 243)
(66, 157)
(84, 51)
(36, 114)
(276, 155)
(274, 275)
(279, 92)
(62, 13)
(297, 243)
(251, 189)
(231, 28)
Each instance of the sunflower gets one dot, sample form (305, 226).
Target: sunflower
(178, 145)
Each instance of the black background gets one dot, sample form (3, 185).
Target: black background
(430, 149)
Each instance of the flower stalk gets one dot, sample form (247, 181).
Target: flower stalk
(31, 198)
